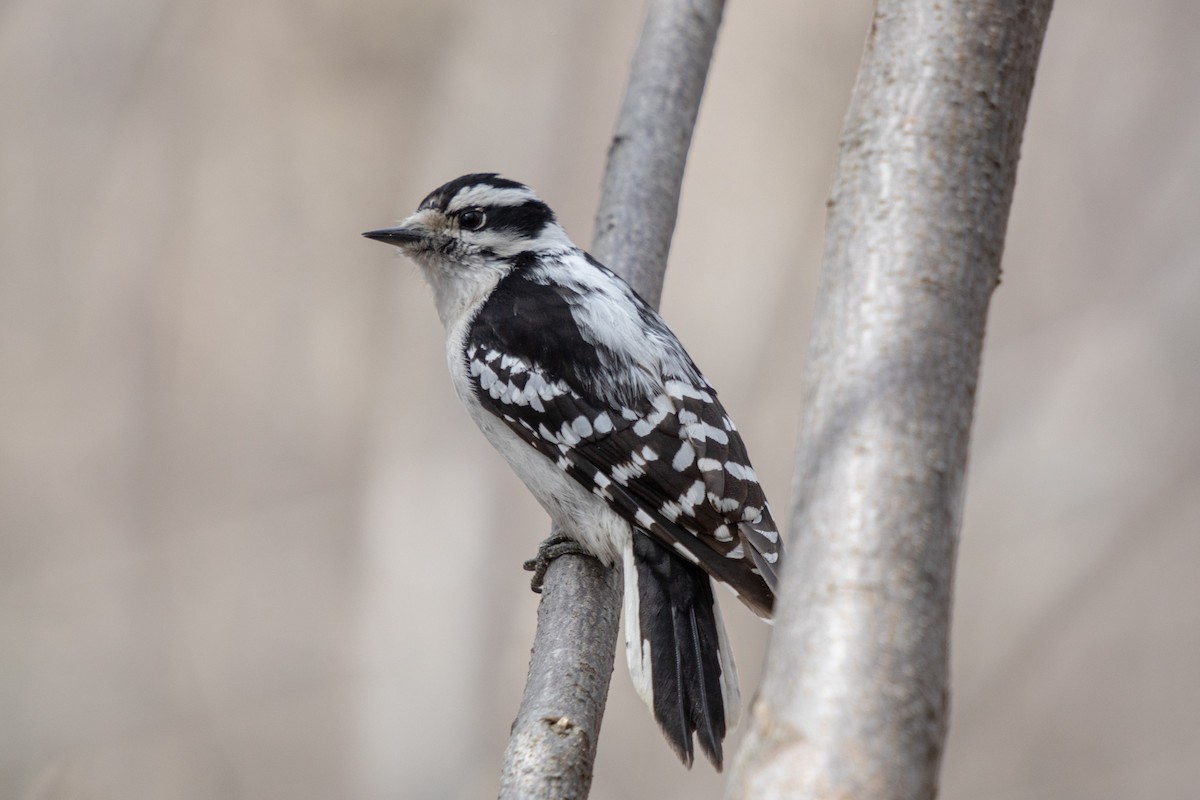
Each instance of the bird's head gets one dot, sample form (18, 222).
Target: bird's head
(466, 235)
(475, 221)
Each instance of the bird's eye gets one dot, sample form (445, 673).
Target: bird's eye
(472, 219)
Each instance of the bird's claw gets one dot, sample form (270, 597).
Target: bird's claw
(553, 547)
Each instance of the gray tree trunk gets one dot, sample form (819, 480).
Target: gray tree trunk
(854, 697)
(553, 743)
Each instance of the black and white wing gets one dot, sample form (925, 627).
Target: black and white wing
(663, 454)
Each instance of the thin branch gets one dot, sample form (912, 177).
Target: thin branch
(640, 196)
(854, 698)
(553, 744)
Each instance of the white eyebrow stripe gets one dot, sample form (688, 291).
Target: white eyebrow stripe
(485, 196)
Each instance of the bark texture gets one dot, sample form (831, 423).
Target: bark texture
(553, 744)
(854, 700)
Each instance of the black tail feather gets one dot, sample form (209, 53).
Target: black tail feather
(677, 615)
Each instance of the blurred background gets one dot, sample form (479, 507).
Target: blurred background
(250, 546)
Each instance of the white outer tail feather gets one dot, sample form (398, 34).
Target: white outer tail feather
(637, 650)
(731, 696)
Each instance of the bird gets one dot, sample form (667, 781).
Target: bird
(600, 411)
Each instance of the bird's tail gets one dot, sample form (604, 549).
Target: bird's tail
(678, 652)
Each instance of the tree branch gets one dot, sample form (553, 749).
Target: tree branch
(854, 698)
(640, 196)
(553, 743)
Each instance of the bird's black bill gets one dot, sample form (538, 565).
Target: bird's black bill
(395, 236)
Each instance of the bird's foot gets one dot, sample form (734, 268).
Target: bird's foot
(553, 547)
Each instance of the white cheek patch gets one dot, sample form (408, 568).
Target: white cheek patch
(497, 241)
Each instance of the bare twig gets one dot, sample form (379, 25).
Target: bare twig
(553, 744)
(854, 698)
(640, 197)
